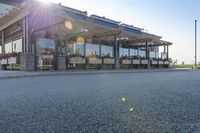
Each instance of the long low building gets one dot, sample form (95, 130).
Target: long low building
(40, 36)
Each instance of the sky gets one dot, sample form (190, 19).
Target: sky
(171, 19)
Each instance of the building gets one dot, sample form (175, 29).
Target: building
(37, 36)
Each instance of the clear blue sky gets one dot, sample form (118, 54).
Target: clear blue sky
(172, 19)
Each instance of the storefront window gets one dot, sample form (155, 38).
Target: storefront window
(154, 55)
(123, 53)
(79, 49)
(45, 53)
(92, 50)
(17, 46)
(142, 53)
(163, 55)
(106, 51)
(61, 48)
(133, 53)
(75, 49)
(8, 48)
(45, 46)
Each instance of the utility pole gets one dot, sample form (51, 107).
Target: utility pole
(195, 44)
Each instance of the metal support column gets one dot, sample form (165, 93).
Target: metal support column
(147, 56)
(164, 49)
(195, 44)
(116, 52)
(167, 52)
(2, 44)
(2, 47)
(25, 45)
(147, 50)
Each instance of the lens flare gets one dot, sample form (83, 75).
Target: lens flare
(80, 40)
(68, 25)
(47, 1)
(131, 109)
(123, 99)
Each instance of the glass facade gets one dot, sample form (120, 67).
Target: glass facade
(8, 48)
(153, 55)
(123, 52)
(61, 48)
(142, 53)
(92, 50)
(106, 51)
(75, 49)
(45, 53)
(79, 49)
(17, 46)
(133, 53)
(13, 47)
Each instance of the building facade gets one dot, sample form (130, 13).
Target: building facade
(37, 36)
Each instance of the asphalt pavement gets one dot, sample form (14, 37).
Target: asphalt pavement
(102, 103)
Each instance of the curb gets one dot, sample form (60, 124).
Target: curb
(68, 73)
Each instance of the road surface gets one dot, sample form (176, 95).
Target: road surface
(102, 103)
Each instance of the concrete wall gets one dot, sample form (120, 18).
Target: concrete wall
(27, 62)
(61, 63)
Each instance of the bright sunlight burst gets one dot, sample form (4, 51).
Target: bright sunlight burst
(47, 1)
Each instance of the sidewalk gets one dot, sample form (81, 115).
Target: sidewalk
(22, 74)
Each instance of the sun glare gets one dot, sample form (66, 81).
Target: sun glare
(47, 1)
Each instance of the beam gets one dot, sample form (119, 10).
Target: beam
(12, 2)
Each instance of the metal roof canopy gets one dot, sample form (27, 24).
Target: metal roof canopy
(13, 16)
(97, 27)
(12, 2)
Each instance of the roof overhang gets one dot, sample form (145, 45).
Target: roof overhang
(88, 26)
(12, 2)
(13, 16)
(162, 43)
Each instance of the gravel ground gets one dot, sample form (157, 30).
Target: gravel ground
(92, 103)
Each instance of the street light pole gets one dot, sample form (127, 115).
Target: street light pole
(195, 44)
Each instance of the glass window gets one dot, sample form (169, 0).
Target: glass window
(8, 48)
(157, 54)
(152, 54)
(133, 53)
(17, 46)
(123, 52)
(70, 49)
(92, 50)
(75, 49)
(142, 53)
(61, 48)
(79, 49)
(45, 46)
(0, 50)
(106, 51)
(45, 53)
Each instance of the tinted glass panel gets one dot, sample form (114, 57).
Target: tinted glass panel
(123, 52)
(92, 50)
(45, 46)
(79, 49)
(142, 53)
(45, 53)
(17, 46)
(75, 49)
(8, 48)
(106, 51)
